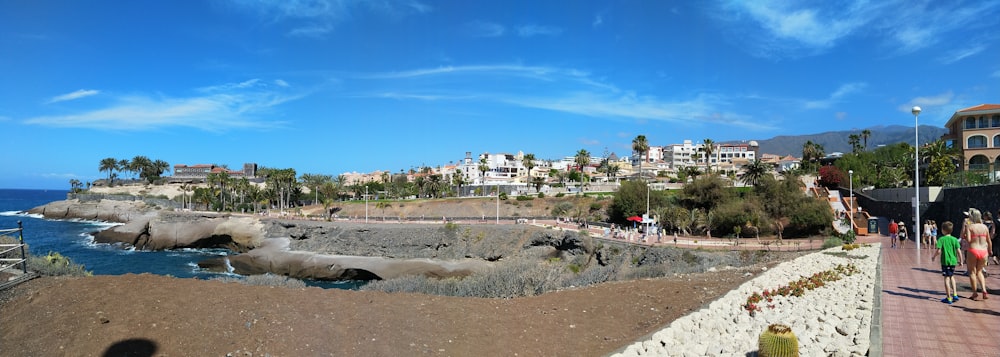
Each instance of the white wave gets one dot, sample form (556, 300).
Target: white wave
(21, 214)
(229, 270)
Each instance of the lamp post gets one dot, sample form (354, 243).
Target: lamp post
(916, 173)
(647, 199)
(851, 173)
(366, 203)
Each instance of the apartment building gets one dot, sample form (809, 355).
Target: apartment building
(976, 131)
(502, 169)
(200, 172)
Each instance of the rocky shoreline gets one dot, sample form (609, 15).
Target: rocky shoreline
(833, 320)
(312, 249)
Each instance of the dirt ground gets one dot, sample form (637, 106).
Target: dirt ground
(149, 315)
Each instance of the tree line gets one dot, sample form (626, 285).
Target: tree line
(139, 167)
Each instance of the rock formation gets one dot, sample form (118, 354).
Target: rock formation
(273, 256)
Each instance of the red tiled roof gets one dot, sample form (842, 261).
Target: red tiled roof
(980, 107)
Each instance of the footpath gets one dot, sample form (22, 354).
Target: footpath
(914, 321)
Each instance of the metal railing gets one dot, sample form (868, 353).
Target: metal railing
(8, 251)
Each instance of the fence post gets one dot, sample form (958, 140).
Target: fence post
(24, 257)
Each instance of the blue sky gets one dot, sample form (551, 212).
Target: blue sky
(335, 86)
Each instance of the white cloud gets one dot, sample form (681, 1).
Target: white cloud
(958, 55)
(836, 97)
(598, 21)
(538, 30)
(556, 89)
(484, 29)
(928, 102)
(223, 107)
(314, 30)
(322, 16)
(777, 28)
(74, 95)
(281, 83)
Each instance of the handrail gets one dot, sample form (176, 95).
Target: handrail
(23, 260)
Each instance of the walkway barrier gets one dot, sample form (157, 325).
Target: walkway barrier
(9, 256)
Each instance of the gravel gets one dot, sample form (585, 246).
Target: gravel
(832, 320)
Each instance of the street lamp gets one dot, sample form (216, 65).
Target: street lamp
(851, 173)
(647, 199)
(916, 173)
(366, 203)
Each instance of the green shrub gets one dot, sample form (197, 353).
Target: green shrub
(832, 242)
(541, 195)
(266, 280)
(525, 198)
(55, 264)
(560, 194)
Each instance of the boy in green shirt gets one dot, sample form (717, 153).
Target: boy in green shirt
(948, 247)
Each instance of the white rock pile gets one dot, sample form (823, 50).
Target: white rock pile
(832, 320)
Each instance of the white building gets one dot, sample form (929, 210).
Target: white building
(688, 154)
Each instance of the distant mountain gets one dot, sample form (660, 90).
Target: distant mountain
(837, 141)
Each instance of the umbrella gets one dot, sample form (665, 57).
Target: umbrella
(635, 219)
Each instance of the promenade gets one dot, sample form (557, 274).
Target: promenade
(914, 321)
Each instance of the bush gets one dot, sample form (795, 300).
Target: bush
(541, 195)
(560, 194)
(832, 242)
(266, 280)
(525, 198)
(55, 264)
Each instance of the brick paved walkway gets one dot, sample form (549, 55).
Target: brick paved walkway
(914, 321)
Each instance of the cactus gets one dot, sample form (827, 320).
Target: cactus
(778, 341)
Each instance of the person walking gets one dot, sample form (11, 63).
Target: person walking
(980, 247)
(928, 232)
(893, 232)
(947, 246)
(902, 235)
(934, 232)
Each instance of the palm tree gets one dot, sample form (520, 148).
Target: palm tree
(109, 164)
(812, 152)
(184, 190)
(75, 185)
(754, 172)
(709, 150)
(855, 141)
(124, 166)
(141, 165)
(382, 205)
(582, 160)
(458, 179)
(865, 134)
(529, 162)
(641, 146)
(483, 167)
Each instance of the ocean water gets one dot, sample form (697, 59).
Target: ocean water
(73, 239)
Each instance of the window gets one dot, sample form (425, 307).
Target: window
(996, 141)
(979, 163)
(970, 123)
(996, 120)
(976, 141)
(983, 122)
